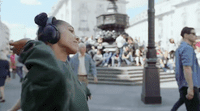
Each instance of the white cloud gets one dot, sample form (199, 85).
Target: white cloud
(18, 31)
(135, 3)
(30, 2)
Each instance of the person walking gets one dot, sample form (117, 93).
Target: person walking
(83, 65)
(13, 65)
(19, 68)
(4, 73)
(50, 83)
(187, 71)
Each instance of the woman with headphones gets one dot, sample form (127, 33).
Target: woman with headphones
(50, 84)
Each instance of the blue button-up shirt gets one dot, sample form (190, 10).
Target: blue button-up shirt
(185, 56)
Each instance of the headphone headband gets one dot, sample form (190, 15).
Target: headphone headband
(50, 32)
(50, 20)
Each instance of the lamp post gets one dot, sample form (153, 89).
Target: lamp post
(151, 78)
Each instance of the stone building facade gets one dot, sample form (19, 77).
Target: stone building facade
(81, 14)
(170, 17)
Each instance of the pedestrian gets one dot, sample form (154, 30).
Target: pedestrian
(19, 68)
(13, 65)
(50, 83)
(83, 65)
(4, 73)
(186, 71)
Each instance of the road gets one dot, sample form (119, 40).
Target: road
(109, 97)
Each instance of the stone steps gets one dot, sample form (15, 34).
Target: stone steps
(132, 75)
(121, 71)
(137, 83)
(128, 78)
(162, 74)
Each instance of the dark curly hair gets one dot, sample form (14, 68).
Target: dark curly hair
(41, 20)
(186, 30)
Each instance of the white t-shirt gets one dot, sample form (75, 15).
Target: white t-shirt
(120, 41)
(90, 41)
(137, 53)
(81, 68)
(171, 47)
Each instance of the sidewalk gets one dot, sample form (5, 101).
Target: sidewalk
(128, 98)
(109, 97)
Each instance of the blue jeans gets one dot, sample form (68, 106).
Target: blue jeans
(120, 52)
(168, 65)
(106, 60)
(127, 60)
(20, 72)
(118, 60)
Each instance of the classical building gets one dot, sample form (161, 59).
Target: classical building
(81, 14)
(170, 17)
(4, 38)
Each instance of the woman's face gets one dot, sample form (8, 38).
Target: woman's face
(68, 38)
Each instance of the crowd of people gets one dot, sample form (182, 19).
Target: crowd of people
(127, 50)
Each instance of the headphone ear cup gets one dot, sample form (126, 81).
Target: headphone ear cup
(51, 34)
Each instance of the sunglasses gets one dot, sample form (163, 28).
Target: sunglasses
(193, 34)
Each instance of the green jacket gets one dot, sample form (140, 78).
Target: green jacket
(50, 84)
(86, 89)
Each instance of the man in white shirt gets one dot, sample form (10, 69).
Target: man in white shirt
(121, 40)
(83, 64)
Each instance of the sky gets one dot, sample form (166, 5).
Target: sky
(19, 15)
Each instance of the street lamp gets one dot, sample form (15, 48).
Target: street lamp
(151, 78)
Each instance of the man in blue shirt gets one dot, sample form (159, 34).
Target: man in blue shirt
(186, 71)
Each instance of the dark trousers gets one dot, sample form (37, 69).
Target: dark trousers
(20, 71)
(191, 105)
(178, 104)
